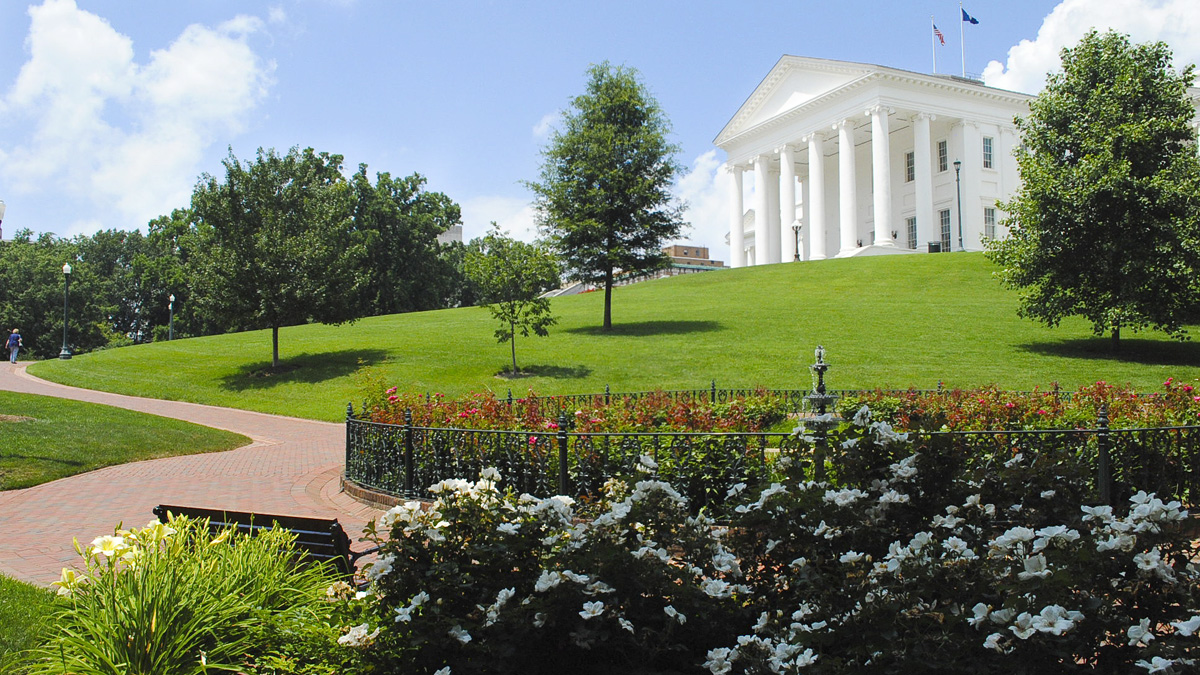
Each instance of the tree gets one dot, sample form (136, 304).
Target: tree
(510, 275)
(408, 269)
(276, 243)
(1106, 224)
(604, 201)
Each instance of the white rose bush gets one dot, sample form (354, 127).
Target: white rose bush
(912, 557)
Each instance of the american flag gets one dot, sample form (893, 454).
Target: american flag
(941, 38)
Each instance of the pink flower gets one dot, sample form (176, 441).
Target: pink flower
(393, 398)
(1041, 412)
(1187, 388)
(1010, 405)
(391, 391)
(533, 440)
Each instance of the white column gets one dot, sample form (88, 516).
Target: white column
(762, 218)
(814, 206)
(787, 203)
(773, 209)
(923, 169)
(972, 177)
(847, 196)
(881, 171)
(737, 214)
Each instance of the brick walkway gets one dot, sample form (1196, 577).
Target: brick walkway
(291, 467)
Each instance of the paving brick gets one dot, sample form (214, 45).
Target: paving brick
(292, 466)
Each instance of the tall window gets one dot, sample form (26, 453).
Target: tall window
(987, 152)
(910, 224)
(943, 156)
(989, 223)
(944, 218)
(910, 167)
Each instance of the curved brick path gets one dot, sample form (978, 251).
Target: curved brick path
(291, 467)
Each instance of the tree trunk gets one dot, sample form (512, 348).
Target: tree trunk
(512, 333)
(1116, 337)
(608, 284)
(274, 347)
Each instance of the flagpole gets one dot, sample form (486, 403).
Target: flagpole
(933, 42)
(961, 45)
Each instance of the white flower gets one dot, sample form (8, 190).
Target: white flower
(647, 464)
(380, 568)
(1047, 494)
(508, 528)
(1035, 568)
(843, 497)
(108, 546)
(850, 557)
(674, 614)
(1140, 634)
(539, 619)
(1055, 619)
(626, 624)
(490, 473)
(863, 417)
(1156, 664)
(904, 469)
(735, 490)
(442, 671)
(1189, 627)
(993, 642)
(592, 609)
(460, 634)
(807, 658)
(358, 636)
(715, 588)
(546, 581)
(1148, 560)
(893, 497)
(980, 612)
(1023, 626)
(720, 660)
(1101, 513)
(959, 548)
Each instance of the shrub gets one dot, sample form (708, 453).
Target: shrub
(169, 598)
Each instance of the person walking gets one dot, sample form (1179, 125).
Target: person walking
(14, 345)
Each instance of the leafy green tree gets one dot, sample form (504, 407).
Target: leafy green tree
(510, 276)
(407, 269)
(276, 244)
(1106, 224)
(31, 295)
(604, 201)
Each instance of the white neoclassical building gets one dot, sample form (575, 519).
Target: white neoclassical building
(838, 159)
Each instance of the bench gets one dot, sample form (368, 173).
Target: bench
(317, 539)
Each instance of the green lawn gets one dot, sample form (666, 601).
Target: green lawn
(894, 321)
(48, 438)
(23, 608)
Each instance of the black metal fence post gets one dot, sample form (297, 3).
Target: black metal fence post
(349, 435)
(607, 396)
(408, 454)
(563, 477)
(1103, 461)
(712, 393)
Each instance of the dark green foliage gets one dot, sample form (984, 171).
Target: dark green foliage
(510, 276)
(604, 200)
(1106, 224)
(279, 248)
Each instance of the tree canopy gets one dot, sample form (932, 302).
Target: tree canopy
(510, 276)
(604, 202)
(1106, 224)
(279, 246)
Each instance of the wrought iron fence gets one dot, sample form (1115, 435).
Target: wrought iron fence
(405, 459)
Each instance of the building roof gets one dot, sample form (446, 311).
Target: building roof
(797, 85)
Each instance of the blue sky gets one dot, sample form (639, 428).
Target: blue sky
(110, 110)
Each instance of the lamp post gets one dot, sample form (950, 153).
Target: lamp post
(66, 352)
(958, 190)
(171, 320)
(796, 231)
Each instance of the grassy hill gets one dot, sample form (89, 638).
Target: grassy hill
(894, 321)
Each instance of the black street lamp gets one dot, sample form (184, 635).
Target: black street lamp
(171, 320)
(796, 231)
(958, 189)
(66, 352)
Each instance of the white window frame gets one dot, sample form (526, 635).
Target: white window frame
(943, 153)
(944, 221)
(910, 166)
(989, 149)
(989, 222)
(910, 226)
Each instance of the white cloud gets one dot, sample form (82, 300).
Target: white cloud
(126, 136)
(1175, 22)
(514, 215)
(707, 197)
(545, 126)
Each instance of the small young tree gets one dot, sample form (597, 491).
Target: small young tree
(604, 201)
(1106, 224)
(510, 275)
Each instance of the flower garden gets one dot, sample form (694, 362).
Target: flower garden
(898, 547)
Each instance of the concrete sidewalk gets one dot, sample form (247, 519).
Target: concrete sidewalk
(291, 467)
